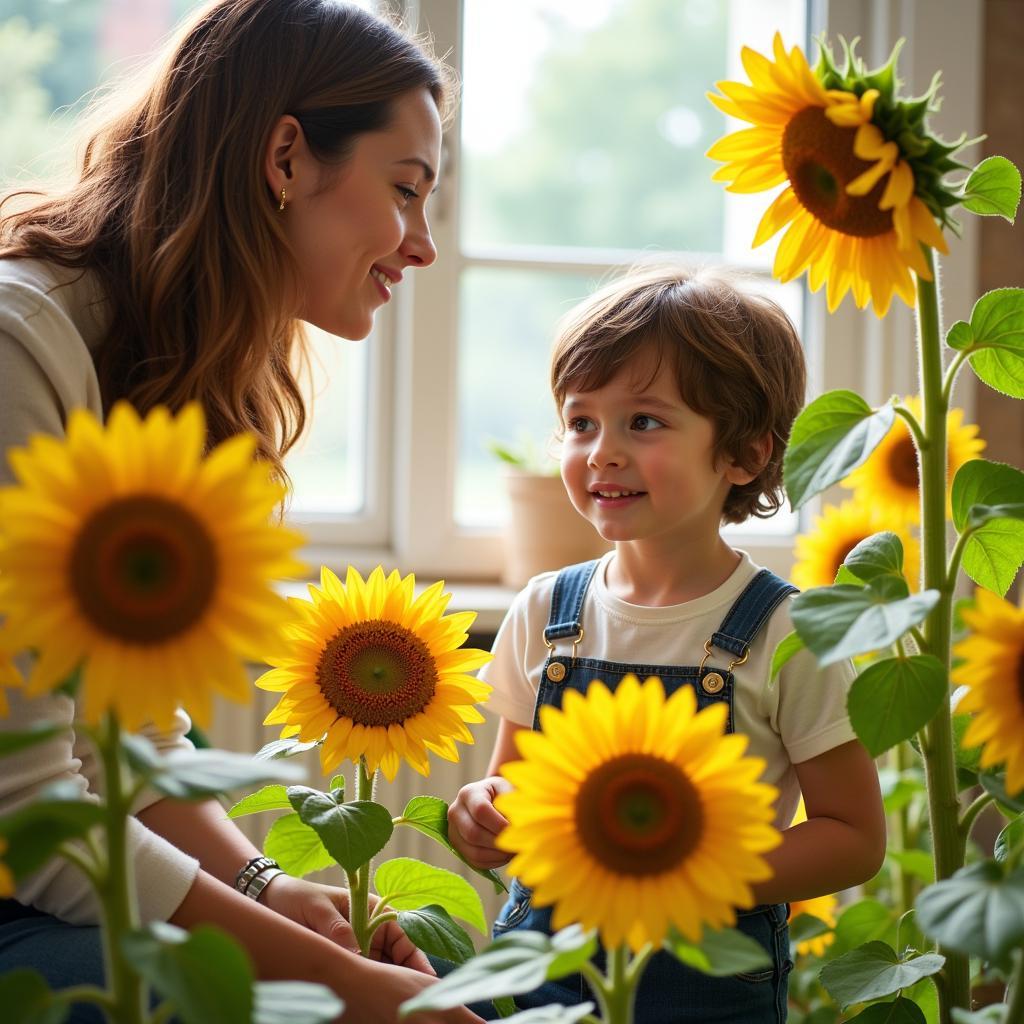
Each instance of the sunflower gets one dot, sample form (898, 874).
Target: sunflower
(888, 479)
(837, 531)
(992, 669)
(9, 676)
(125, 551)
(857, 205)
(823, 908)
(631, 813)
(6, 878)
(375, 673)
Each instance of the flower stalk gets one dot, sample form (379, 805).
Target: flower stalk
(359, 880)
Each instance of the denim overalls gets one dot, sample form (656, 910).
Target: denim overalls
(669, 993)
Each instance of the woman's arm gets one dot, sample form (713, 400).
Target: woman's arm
(842, 843)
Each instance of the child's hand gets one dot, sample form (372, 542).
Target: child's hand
(474, 824)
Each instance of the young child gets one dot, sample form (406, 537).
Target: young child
(676, 394)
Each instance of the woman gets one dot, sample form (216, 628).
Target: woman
(276, 168)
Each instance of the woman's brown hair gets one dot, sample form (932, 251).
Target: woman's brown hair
(736, 358)
(173, 214)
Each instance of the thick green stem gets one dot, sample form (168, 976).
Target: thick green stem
(619, 990)
(1015, 1012)
(940, 768)
(904, 887)
(116, 885)
(359, 880)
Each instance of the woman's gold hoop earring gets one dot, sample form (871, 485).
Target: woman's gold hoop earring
(284, 196)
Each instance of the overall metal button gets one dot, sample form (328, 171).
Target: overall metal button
(712, 683)
(556, 672)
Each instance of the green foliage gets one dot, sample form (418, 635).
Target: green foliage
(993, 189)
(296, 847)
(841, 621)
(720, 953)
(407, 884)
(892, 699)
(269, 798)
(434, 931)
(27, 999)
(787, 647)
(994, 552)
(517, 962)
(866, 920)
(288, 747)
(874, 971)
(294, 1002)
(995, 340)
(12, 742)
(830, 438)
(555, 1014)
(880, 554)
(898, 1011)
(1010, 838)
(35, 832)
(352, 833)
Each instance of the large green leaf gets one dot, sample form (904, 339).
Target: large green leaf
(995, 338)
(788, 647)
(995, 783)
(35, 831)
(993, 189)
(979, 911)
(720, 953)
(294, 1002)
(805, 927)
(434, 931)
(831, 437)
(428, 815)
(269, 798)
(27, 999)
(517, 962)
(866, 920)
(296, 847)
(995, 551)
(204, 972)
(1009, 839)
(352, 833)
(892, 699)
(841, 621)
(874, 971)
(12, 742)
(408, 884)
(896, 1011)
(878, 555)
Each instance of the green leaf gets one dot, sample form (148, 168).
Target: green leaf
(839, 622)
(408, 884)
(276, 749)
(995, 551)
(296, 847)
(892, 699)
(720, 953)
(988, 1015)
(434, 931)
(337, 785)
(12, 742)
(787, 647)
(505, 1005)
(874, 971)
(918, 863)
(864, 921)
(27, 999)
(995, 783)
(1009, 839)
(805, 927)
(978, 515)
(831, 437)
(899, 788)
(843, 575)
(269, 798)
(294, 1002)
(519, 961)
(352, 833)
(429, 816)
(204, 972)
(897, 1011)
(978, 911)
(993, 189)
(34, 832)
(995, 338)
(878, 555)
(553, 1014)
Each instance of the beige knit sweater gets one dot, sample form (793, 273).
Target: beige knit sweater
(50, 318)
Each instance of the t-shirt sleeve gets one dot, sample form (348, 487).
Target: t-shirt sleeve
(809, 711)
(514, 695)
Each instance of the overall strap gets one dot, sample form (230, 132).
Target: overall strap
(750, 612)
(567, 600)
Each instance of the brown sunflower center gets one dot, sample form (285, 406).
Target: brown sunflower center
(377, 673)
(902, 464)
(819, 161)
(842, 551)
(143, 569)
(639, 815)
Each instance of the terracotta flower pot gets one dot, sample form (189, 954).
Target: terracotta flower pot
(544, 531)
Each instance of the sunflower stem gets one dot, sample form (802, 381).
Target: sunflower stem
(940, 770)
(620, 987)
(359, 880)
(951, 374)
(915, 428)
(904, 880)
(1015, 992)
(117, 895)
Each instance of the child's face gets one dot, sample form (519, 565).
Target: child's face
(637, 460)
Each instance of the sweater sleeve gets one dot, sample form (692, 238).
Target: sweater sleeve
(45, 371)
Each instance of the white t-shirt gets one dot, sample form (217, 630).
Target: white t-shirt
(50, 317)
(799, 717)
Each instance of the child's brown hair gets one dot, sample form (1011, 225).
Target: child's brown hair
(736, 356)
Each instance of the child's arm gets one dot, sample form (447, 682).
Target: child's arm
(473, 822)
(842, 843)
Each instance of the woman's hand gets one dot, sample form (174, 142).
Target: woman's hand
(324, 910)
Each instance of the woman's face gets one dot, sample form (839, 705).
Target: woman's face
(354, 238)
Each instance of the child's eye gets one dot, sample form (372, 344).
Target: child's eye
(407, 193)
(579, 425)
(645, 422)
